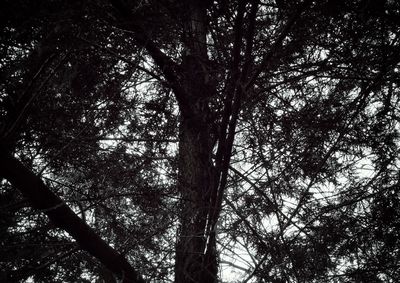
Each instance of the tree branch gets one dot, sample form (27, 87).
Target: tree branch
(278, 43)
(43, 199)
(169, 68)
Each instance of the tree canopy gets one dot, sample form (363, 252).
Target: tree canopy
(200, 141)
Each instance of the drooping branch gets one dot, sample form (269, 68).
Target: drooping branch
(168, 67)
(43, 199)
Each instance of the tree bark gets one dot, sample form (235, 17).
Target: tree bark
(196, 182)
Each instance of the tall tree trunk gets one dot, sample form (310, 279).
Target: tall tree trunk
(193, 88)
(196, 179)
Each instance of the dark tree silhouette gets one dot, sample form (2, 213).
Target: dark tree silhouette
(158, 141)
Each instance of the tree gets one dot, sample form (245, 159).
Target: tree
(213, 125)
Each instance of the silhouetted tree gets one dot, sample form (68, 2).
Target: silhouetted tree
(152, 140)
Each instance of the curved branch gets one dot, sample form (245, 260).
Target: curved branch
(169, 68)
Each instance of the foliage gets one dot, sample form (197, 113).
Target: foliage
(313, 188)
